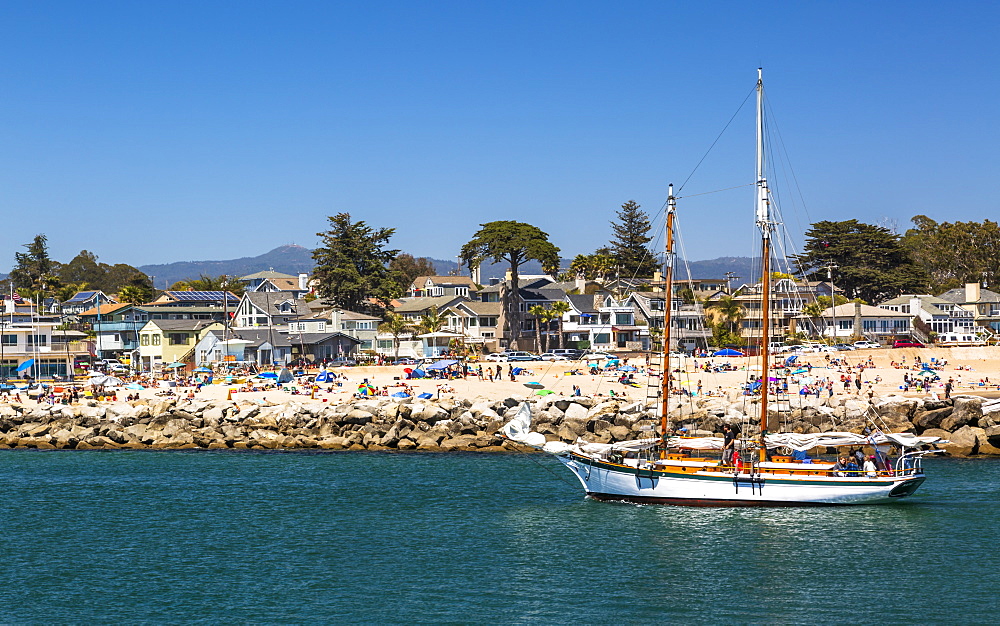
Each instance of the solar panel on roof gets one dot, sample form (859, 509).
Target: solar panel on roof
(81, 296)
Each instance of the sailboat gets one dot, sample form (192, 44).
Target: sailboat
(680, 470)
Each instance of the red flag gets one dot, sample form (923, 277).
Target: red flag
(17, 298)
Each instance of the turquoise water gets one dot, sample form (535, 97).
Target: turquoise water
(130, 536)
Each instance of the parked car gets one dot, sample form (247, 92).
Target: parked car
(905, 343)
(496, 357)
(405, 361)
(864, 345)
(117, 368)
(569, 353)
(596, 356)
(521, 356)
(844, 347)
(551, 356)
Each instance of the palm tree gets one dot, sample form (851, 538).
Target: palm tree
(726, 309)
(539, 312)
(134, 294)
(395, 325)
(560, 308)
(431, 321)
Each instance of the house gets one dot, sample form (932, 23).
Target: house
(413, 309)
(936, 315)
(271, 281)
(434, 286)
(319, 347)
(477, 322)
(263, 348)
(788, 297)
(687, 321)
(85, 300)
(219, 299)
(23, 342)
(853, 319)
(533, 291)
(262, 309)
(163, 341)
(982, 303)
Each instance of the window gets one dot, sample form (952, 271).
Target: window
(385, 344)
(487, 321)
(623, 319)
(602, 338)
(155, 339)
(321, 327)
(38, 340)
(177, 339)
(144, 340)
(116, 338)
(656, 305)
(9, 340)
(845, 324)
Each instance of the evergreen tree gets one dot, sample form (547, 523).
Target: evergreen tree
(630, 236)
(352, 266)
(515, 243)
(873, 264)
(34, 267)
(405, 268)
(955, 253)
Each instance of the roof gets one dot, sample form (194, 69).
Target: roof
(259, 337)
(535, 282)
(415, 305)
(444, 281)
(582, 302)
(957, 296)
(189, 325)
(105, 309)
(905, 299)
(265, 299)
(314, 338)
(482, 308)
(268, 274)
(197, 296)
(357, 317)
(83, 296)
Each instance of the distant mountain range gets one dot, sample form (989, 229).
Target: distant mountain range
(292, 259)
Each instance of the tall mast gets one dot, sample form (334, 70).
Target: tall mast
(766, 225)
(668, 299)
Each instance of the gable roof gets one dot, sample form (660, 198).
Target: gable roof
(83, 296)
(415, 305)
(104, 309)
(196, 296)
(444, 281)
(268, 274)
(957, 296)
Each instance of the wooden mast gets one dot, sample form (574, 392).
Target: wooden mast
(668, 298)
(766, 225)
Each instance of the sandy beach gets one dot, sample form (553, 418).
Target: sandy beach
(965, 366)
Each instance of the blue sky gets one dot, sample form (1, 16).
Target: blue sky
(154, 132)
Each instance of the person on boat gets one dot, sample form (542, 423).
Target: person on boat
(840, 467)
(870, 470)
(728, 444)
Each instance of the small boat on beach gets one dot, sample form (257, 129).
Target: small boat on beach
(753, 464)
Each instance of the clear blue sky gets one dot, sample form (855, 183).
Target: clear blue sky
(154, 132)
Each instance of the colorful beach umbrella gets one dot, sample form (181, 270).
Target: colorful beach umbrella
(534, 385)
(543, 392)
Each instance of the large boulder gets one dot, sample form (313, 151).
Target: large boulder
(966, 410)
(931, 418)
(963, 442)
(575, 411)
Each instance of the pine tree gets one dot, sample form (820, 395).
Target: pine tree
(630, 236)
(352, 266)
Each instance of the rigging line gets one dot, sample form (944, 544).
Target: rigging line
(705, 193)
(752, 91)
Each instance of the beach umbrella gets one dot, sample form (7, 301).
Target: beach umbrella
(25, 365)
(366, 389)
(135, 387)
(628, 368)
(203, 369)
(926, 373)
(534, 385)
(426, 396)
(174, 365)
(543, 392)
(400, 394)
(727, 352)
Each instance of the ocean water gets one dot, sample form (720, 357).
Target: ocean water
(139, 536)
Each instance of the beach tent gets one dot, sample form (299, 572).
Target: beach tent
(426, 396)
(442, 364)
(324, 377)
(400, 394)
(727, 352)
(270, 375)
(418, 373)
(790, 360)
(284, 376)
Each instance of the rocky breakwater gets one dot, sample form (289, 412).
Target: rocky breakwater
(459, 424)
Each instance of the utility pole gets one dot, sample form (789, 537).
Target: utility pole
(730, 276)
(833, 298)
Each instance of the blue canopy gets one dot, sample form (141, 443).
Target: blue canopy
(442, 364)
(25, 365)
(628, 368)
(324, 377)
(426, 396)
(727, 352)
(400, 394)
(268, 375)
(791, 360)
(418, 373)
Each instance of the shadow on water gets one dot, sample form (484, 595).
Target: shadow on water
(455, 537)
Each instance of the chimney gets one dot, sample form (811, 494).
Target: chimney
(972, 293)
(580, 283)
(476, 275)
(303, 282)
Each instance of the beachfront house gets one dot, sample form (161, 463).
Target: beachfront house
(260, 347)
(84, 301)
(321, 347)
(982, 303)
(162, 341)
(29, 347)
(217, 299)
(264, 309)
(931, 314)
(852, 320)
(435, 286)
(687, 320)
(276, 282)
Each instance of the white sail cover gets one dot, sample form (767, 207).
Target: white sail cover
(518, 429)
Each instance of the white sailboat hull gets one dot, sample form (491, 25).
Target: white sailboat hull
(604, 481)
